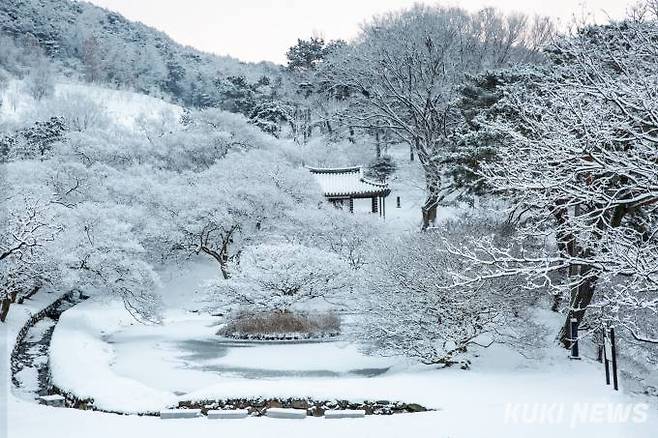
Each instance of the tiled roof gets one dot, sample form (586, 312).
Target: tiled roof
(347, 181)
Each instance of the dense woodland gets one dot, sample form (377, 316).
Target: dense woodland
(546, 139)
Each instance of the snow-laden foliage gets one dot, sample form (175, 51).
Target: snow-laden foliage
(350, 237)
(402, 74)
(278, 276)
(243, 199)
(98, 206)
(410, 309)
(29, 229)
(59, 236)
(575, 153)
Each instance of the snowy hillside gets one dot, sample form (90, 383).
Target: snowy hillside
(99, 45)
(124, 108)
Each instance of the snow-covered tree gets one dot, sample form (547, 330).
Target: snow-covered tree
(104, 255)
(269, 116)
(278, 276)
(39, 82)
(29, 229)
(575, 154)
(350, 237)
(408, 307)
(305, 55)
(242, 199)
(403, 71)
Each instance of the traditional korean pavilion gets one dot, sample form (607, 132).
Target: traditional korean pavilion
(342, 185)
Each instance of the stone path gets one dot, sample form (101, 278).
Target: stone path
(30, 373)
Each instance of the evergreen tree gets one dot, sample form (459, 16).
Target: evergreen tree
(305, 55)
(381, 168)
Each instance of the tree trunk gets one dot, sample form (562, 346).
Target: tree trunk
(6, 303)
(28, 295)
(433, 192)
(224, 268)
(581, 297)
(430, 206)
(411, 153)
(4, 308)
(557, 300)
(221, 258)
(378, 146)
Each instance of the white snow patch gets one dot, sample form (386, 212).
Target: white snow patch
(81, 361)
(124, 107)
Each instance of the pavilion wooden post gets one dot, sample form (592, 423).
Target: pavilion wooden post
(351, 205)
(374, 204)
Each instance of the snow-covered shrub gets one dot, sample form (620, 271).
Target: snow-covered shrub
(34, 142)
(411, 307)
(274, 324)
(39, 82)
(276, 277)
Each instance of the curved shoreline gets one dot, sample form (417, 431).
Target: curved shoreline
(21, 358)
(19, 355)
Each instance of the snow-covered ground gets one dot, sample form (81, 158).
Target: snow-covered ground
(476, 420)
(473, 403)
(97, 348)
(408, 184)
(123, 107)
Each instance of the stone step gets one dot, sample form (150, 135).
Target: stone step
(52, 400)
(228, 414)
(347, 413)
(168, 414)
(286, 413)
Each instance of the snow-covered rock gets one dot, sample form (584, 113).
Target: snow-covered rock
(332, 414)
(52, 400)
(227, 414)
(286, 413)
(169, 414)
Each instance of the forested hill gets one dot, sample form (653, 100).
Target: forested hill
(102, 46)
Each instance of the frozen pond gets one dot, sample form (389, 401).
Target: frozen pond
(99, 351)
(218, 356)
(186, 355)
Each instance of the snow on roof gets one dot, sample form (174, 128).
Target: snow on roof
(347, 181)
